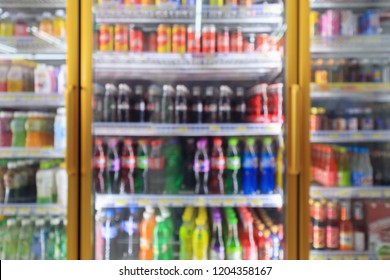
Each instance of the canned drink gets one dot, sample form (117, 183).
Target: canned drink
(188, 3)
(275, 102)
(164, 38)
(131, 2)
(121, 38)
(255, 103)
(349, 23)
(216, 2)
(314, 23)
(151, 42)
(223, 40)
(136, 39)
(263, 43)
(330, 23)
(159, 2)
(179, 38)
(231, 2)
(193, 40)
(249, 43)
(246, 3)
(208, 38)
(370, 23)
(237, 41)
(321, 77)
(146, 2)
(105, 38)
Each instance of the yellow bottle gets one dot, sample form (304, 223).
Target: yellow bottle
(59, 26)
(200, 240)
(46, 23)
(6, 25)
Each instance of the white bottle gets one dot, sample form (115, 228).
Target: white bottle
(45, 183)
(62, 185)
(60, 129)
(42, 79)
(61, 79)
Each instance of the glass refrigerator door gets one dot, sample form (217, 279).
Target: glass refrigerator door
(33, 177)
(187, 153)
(350, 129)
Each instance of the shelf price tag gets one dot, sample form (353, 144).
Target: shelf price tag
(120, 202)
(256, 202)
(24, 211)
(228, 202)
(178, 202)
(215, 202)
(386, 193)
(349, 257)
(40, 210)
(368, 193)
(344, 193)
(9, 211)
(200, 201)
(214, 128)
(357, 136)
(362, 257)
(376, 136)
(316, 193)
(333, 257)
(56, 210)
(144, 202)
(163, 202)
(182, 129)
(241, 128)
(241, 201)
(333, 136)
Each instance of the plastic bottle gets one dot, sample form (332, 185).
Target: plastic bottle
(53, 248)
(110, 104)
(181, 106)
(200, 240)
(60, 129)
(233, 246)
(168, 104)
(233, 166)
(15, 82)
(166, 214)
(218, 165)
(112, 167)
(154, 110)
(344, 169)
(173, 166)
(39, 240)
(9, 244)
(355, 167)
(20, 26)
(239, 106)
(46, 23)
(61, 80)
(265, 244)
(217, 248)
(250, 167)
(61, 178)
(99, 166)
(248, 243)
(267, 168)
(276, 243)
(128, 163)
(188, 164)
(6, 129)
(196, 108)
(156, 168)
(346, 228)
(45, 181)
(210, 109)
(42, 79)
(201, 167)
(139, 109)
(365, 168)
(185, 234)
(130, 227)
(18, 129)
(224, 107)
(25, 240)
(59, 24)
(123, 105)
(4, 67)
(62, 230)
(146, 230)
(7, 25)
(142, 167)
(161, 237)
(109, 234)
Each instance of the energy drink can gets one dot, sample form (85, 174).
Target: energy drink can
(164, 38)
(105, 38)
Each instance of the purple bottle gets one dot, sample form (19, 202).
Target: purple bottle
(217, 249)
(201, 167)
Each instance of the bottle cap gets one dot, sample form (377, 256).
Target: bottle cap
(124, 88)
(168, 90)
(110, 87)
(26, 222)
(98, 142)
(199, 221)
(11, 222)
(39, 222)
(202, 143)
(250, 141)
(240, 91)
(4, 114)
(181, 89)
(60, 13)
(233, 141)
(225, 90)
(196, 91)
(46, 15)
(143, 141)
(149, 209)
(128, 142)
(209, 91)
(139, 89)
(156, 142)
(217, 141)
(112, 142)
(55, 222)
(267, 141)
(61, 111)
(147, 215)
(109, 213)
(159, 219)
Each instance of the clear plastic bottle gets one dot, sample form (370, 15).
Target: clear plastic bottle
(168, 104)
(156, 168)
(201, 167)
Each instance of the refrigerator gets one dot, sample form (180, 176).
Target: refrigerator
(345, 195)
(39, 129)
(189, 141)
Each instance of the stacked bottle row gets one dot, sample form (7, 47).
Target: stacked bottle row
(33, 238)
(338, 225)
(178, 3)
(29, 181)
(262, 103)
(180, 38)
(196, 234)
(179, 165)
(350, 118)
(345, 23)
(19, 24)
(350, 71)
(33, 129)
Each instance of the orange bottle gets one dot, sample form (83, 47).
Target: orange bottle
(46, 23)
(146, 229)
(346, 229)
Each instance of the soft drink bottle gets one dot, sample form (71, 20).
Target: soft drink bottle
(218, 163)
(248, 243)
(127, 184)
(267, 168)
(123, 105)
(161, 238)
(130, 228)
(196, 108)
(181, 113)
(112, 167)
(276, 243)
(109, 234)
(39, 240)
(210, 114)
(200, 240)
(138, 110)
(141, 167)
(154, 109)
(25, 240)
(355, 166)
(54, 240)
(168, 104)
(9, 244)
(365, 168)
(239, 106)
(250, 167)
(156, 171)
(110, 104)
(233, 165)
(224, 107)
(217, 248)
(62, 230)
(344, 169)
(189, 175)
(146, 230)
(265, 245)
(233, 246)
(201, 167)
(185, 234)
(173, 166)
(166, 214)
(99, 165)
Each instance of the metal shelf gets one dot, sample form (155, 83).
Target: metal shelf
(28, 209)
(333, 136)
(341, 255)
(44, 4)
(349, 192)
(352, 4)
(13, 153)
(31, 100)
(186, 66)
(141, 200)
(150, 129)
(379, 92)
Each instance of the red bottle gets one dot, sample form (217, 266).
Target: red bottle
(248, 243)
(265, 245)
(127, 168)
(346, 228)
(332, 227)
(218, 163)
(99, 165)
(319, 234)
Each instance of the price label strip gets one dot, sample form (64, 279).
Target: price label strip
(200, 201)
(9, 211)
(24, 211)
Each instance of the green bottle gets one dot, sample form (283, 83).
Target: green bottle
(9, 245)
(25, 240)
(53, 245)
(233, 246)
(185, 235)
(344, 169)
(173, 167)
(18, 128)
(233, 165)
(62, 236)
(161, 237)
(141, 167)
(166, 214)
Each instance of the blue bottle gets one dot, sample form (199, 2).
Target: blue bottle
(267, 168)
(250, 165)
(275, 243)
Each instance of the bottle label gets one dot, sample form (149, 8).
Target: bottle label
(250, 161)
(202, 165)
(140, 106)
(346, 241)
(217, 253)
(332, 237)
(211, 108)
(234, 254)
(145, 243)
(233, 163)
(265, 251)
(123, 106)
(225, 107)
(366, 179)
(318, 237)
(109, 232)
(181, 107)
(197, 107)
(343, 178)
(267, 161)
(113, 164)
(157, 163)
(99, 162)
(359, 241)
(128, 162)
(142, 162)
(218, 163)
(250, 253)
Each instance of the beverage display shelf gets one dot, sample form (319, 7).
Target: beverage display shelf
(17, 153)
(28, 209)
(337, 4)
(334, 136)
(334, 192)
(341, 255)
(379, 92)
(30, 100)
(370, 46)
(150, 129)
(142, 200)
(44, 4)
(186, 66)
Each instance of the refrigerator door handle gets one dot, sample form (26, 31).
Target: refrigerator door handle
(71, 128)
(295, 130)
